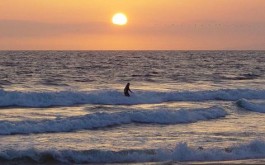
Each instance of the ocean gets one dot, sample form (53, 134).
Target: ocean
(194, 107)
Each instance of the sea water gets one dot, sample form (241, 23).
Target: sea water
(186, 106)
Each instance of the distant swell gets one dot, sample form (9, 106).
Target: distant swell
(251, 106)
(113, 97)
(182, 152)
(101, 120)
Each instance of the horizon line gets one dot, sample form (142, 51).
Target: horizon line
(132, 50)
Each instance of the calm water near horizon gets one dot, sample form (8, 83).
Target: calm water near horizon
(187, 106)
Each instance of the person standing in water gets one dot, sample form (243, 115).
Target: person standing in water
(127, 89)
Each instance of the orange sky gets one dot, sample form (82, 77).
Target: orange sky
(152, 24)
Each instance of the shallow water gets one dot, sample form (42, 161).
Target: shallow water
(187, 106)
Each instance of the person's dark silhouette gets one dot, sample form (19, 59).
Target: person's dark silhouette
(127, 89)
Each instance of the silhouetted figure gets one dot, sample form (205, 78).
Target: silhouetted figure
(127, 89)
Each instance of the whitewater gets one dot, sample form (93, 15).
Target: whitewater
(68, 107)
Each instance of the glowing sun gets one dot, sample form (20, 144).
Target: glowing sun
(119, 19)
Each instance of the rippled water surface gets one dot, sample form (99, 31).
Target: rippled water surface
(194, 106)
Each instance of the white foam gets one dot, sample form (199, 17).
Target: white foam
(100, 120)
(181, 153)
(113, 97)
(251, 106)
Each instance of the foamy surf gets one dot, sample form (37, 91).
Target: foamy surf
(114, 97)
(95, 80)
(181, 153)
(101, 120)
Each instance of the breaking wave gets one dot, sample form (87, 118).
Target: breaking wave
(182, 152)
(101, 120)
(243, 103)
(113, 97)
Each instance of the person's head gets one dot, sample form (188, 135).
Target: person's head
(128, 84)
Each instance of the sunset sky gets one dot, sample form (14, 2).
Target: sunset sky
(152, 24)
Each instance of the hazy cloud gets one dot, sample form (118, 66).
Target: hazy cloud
(25, 29)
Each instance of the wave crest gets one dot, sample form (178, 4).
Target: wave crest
(182, 152)
(101, 120)
(113, 97)
(243, 103)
